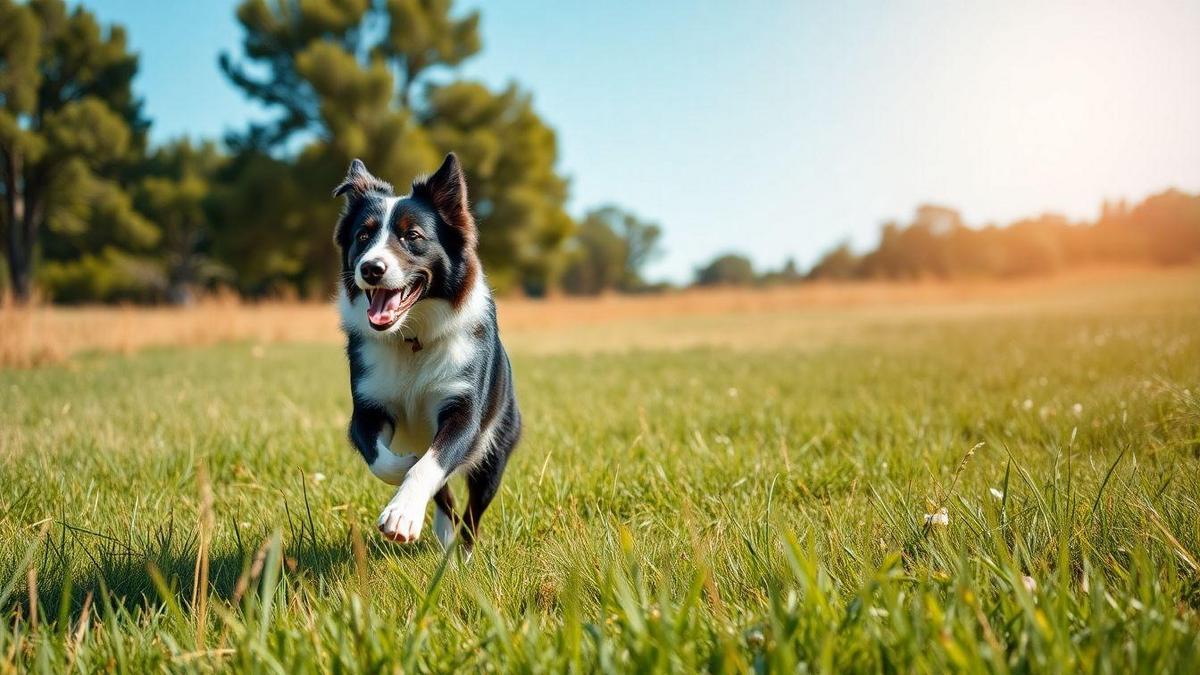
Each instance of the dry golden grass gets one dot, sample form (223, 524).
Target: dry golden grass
(45, 334)
(801, 315)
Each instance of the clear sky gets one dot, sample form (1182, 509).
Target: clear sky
(781, 128)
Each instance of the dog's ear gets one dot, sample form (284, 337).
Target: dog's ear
(446, 189)
(359, 182)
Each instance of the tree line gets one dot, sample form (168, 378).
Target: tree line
(92, 212)
(1162, 229)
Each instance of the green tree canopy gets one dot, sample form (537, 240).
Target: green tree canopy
(176, 194)
(729, 269)
(610, 252)
(597, 258)
(350, 79)
(70, 131)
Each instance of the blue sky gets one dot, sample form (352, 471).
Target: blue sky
(781, 128)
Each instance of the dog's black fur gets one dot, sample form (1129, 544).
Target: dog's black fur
(427, 367)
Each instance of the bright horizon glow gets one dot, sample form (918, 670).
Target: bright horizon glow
(781, 129)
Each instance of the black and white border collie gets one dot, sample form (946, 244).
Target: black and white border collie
(431, 383)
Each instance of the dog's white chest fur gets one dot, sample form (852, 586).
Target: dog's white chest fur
(411, 386)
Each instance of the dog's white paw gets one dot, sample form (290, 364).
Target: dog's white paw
(403, 518)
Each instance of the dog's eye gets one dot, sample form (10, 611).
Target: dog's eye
(364, 235)
(412, 235)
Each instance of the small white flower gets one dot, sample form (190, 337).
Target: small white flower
(941, 518)
(1028, 404)
(996, 493)
(755, 638)
(318, 477)
(1077, 409)
(733, 392)
(1029, 583)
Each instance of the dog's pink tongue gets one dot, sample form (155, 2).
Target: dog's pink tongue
(383, 306)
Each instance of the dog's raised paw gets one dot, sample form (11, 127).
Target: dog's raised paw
(401, 520)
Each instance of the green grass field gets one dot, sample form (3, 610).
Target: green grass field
(730, 509)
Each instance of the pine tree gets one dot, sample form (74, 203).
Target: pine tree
(70, 128)
(177, 195)
(350, 79)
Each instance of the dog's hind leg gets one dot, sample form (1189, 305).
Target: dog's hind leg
(483, 482)
(445, 519)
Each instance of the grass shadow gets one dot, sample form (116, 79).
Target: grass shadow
(74, 564)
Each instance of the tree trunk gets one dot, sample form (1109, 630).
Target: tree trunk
(20, 231)
(183, 264)
(180, 283)
(180, 294)
(19, 278)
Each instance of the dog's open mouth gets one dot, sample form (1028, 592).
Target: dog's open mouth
(386, 306)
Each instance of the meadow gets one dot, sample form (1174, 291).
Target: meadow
(988, 478)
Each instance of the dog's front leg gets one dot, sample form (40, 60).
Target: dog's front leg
(370, 432)
(458, 424)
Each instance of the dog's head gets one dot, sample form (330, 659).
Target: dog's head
(398, 251)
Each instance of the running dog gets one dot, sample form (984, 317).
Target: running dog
(431, 383)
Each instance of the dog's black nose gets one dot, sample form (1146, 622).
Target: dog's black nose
(372, 270)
